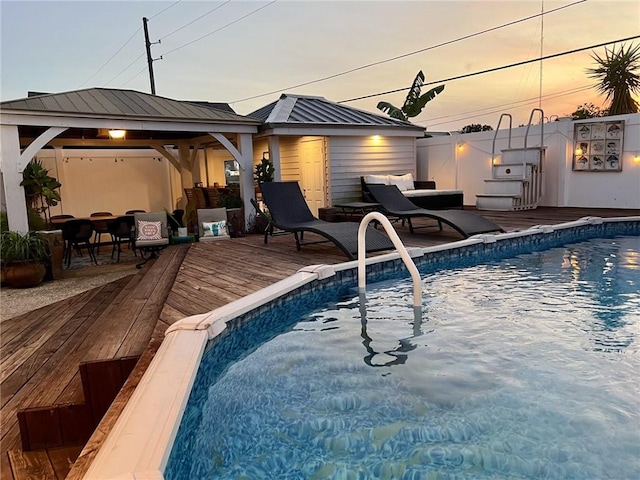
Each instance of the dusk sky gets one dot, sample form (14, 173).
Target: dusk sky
(247, 53)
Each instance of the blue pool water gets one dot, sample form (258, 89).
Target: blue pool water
(521, 368)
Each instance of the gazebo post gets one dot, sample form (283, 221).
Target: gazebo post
(11, 178)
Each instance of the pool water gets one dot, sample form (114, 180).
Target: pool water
(522, 368)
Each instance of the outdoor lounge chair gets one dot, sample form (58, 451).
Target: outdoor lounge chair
(395, 204)
(290, 212)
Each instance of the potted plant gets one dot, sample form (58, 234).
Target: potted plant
(41, 190)
(264, 171)
(180, 220)
(23, 258)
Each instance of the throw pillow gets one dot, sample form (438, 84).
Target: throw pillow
(378, 179)
(149, 230)
(403, 182)
(214, 229)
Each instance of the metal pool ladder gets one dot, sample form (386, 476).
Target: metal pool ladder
(406, 258)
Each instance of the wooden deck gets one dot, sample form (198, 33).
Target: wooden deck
(41, 350)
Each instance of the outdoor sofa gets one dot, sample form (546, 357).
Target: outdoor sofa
(423, 193)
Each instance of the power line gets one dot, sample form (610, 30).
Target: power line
(125, 69)
(404, 55)
(162, 11)
(195, 20)
(120, 49)
(189, 43)
(495, 69)
(496, 108)
(127, 81)
(221, 28)
(110, 58)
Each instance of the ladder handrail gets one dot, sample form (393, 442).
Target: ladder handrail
(526, 133)
(526, 137)
(495, 136)
(406, 258)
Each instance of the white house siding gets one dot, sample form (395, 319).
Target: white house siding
(214, 171)
(352, 157)
(109, 180)
(466, 167)
(290, 158)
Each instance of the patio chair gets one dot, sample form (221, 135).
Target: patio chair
(122, 231)
(77, 233)
(212, 224)
(290, 212)
(100, 226)
(395, 204)
(151, 234)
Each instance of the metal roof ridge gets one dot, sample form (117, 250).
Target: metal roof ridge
(282, 109)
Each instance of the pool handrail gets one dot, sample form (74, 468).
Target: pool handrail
(406, 258)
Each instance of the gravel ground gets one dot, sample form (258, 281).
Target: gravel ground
(16, 301)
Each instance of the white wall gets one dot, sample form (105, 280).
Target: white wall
(352, 157)
(109, 180)
(464, 161)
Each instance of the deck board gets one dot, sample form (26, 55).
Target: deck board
(41, 350)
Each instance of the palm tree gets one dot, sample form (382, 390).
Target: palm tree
(617, 78)
(414, 103)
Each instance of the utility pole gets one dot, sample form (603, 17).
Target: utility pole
(149, 59)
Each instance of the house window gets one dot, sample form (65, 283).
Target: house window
(231, 172)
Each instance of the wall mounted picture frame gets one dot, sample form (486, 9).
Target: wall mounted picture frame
(598, 146)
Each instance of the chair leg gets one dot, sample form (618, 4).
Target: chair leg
(298, 247)
(67, 254)
(92, 254)
(146, 256)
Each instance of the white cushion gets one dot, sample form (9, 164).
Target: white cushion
(430, 193)
(403, 182)
(378, 179)
(149, 230)
(215, 229)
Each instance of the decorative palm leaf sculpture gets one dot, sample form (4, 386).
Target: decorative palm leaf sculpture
(414, 103)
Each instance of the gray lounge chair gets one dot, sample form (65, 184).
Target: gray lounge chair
(290, 212)
(395, 204)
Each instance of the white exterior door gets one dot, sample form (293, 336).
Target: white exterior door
(312, 164)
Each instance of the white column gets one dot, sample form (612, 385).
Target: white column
(186, 168)
(11, 177)
(274, 156)
(247, 190)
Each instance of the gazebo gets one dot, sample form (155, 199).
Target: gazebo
(88, 118)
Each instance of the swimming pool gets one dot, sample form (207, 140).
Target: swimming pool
(140, 443)
(523, 368)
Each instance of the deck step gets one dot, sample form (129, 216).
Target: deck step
(510, 171)
(530, 155)
(504, 186)
(73, 423)
(497, 202)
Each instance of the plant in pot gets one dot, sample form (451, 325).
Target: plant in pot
(41, 190)
(23, 258)
(264, 171)
(180, 220)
